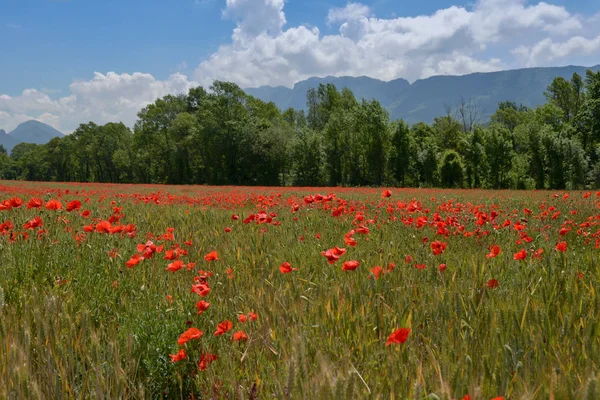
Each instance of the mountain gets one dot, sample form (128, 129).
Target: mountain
(425, 99)
(30, 132)
(7, 141)
(33, 131)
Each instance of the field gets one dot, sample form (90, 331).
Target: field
(142, 291)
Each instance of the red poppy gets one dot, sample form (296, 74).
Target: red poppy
(253, 316)
(202, 289)
(242, 318)
(227, 230)
(438, 247)
(408, 259)
(202, 306)
(386, 193)
(398, 336)
(134, 260)
(492, 284)
(53, 205)
(35, 202)
(16, 202)
(223, 327)
(561, 246)
(212, 256)
(73, 205)
(350, 265)
(538, 254)
(33, 223)
(377, 271)
(205, 360)
(175, 266)
(181, 355)
(420, 266)
(442, 267)
(520, 255)
(494, 251)
(190, 334)
(240, 336)
(286, 268)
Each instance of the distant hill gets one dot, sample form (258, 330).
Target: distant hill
(7, 141)
(426, 99)
(29, 132)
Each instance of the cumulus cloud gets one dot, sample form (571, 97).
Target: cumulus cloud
(486, 36)
(449, 41)
(105, 98)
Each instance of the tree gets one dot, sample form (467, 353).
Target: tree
(469, 113)
(499, 152)
(400, 156)
(451, 170)
(475, 158)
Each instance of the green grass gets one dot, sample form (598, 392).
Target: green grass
(321, 332)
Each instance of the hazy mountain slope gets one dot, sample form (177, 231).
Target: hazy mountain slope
(34, 132)
(426, 99)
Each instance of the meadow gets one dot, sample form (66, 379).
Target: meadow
(149, 291)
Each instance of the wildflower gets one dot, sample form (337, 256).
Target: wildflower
(398, 336)
(202, 306)
(181, 355)
(223, 327)
(286, 268)
(190, 334)
(212, 256)
(350, 265)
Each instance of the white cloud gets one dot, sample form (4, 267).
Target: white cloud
(488, 36)
(352, 11)
(449, 41)
(106, 98)
(548, 50)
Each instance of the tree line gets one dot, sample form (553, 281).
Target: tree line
(222, 136)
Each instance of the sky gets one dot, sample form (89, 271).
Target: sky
(66, 62)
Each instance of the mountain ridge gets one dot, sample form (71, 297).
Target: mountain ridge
(427, 98)
(31, 131)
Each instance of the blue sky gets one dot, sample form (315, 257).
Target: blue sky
(59, 56)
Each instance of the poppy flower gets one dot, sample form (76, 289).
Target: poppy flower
(242, 318)
(561, 246)
(175, 266)
(408, 259)
(438, 247)
(181, 355)
(205, 360)
(240, 336)
(420, 266)
(398, 336)
(190, 334)
(391, 267)
(134, 260)
(73, 205)
(492, 284)
(442, 267)
(33, 223)
(253, 316)
(16, 202)
(286, 268)
(227, 230)
(520, 255)
(223, 327)
(53, 205)
(350, 265)
(494, 251)
(35, 202)
(538, 254)
(376, 271)
(386, 193)
(202, 306)
(212, 256)
(202, 289)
